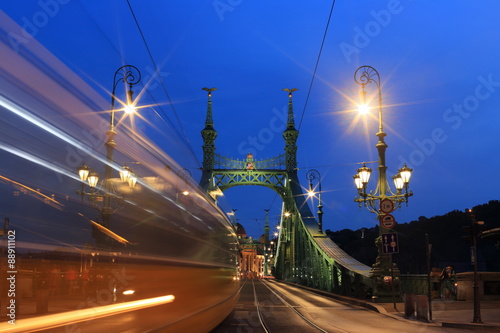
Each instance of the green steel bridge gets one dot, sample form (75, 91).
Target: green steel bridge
(305, 255)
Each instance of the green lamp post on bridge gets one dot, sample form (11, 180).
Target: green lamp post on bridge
(267, 249)
(311, 175)
(381, 201)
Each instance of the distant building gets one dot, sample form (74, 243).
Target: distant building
(252, 255)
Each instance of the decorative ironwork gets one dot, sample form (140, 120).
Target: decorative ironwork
(365, 75)
(276, 163)
(130, 76)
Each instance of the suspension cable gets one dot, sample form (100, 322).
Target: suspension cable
(161, 81)
(317, 63)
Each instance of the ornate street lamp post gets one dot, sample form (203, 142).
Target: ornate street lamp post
(267, 250)
(128, 75)
(382, 201)
(314, 175)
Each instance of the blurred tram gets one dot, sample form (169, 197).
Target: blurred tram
(164, 266)
(109, 258)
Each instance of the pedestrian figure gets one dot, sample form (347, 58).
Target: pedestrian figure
(448, 282)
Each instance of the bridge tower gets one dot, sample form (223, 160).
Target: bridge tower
(209, 134)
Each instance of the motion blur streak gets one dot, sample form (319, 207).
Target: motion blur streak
(69, 271)
(39, 122)
(37, 160)
(72, 317)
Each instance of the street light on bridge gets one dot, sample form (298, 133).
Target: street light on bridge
(315, 175)
(129, 75)
(376, 201)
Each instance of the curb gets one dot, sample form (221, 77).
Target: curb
(472, 326)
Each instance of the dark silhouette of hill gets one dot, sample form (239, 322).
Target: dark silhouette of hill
(445, 234)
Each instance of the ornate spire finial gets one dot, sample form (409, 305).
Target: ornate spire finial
(209, 90)
(290, 91)
(209, 122)
(290, 135)
(291, 120)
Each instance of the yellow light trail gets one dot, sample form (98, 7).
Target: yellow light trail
(73, 317)
(106, 231)
(34, 192)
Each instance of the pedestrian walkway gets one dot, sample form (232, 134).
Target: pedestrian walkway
(452, 313)
(446, 313)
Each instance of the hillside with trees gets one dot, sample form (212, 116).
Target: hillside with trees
(445, 234)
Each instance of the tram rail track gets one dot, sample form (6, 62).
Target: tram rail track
(261, 315)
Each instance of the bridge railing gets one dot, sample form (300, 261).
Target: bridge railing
(414, 284)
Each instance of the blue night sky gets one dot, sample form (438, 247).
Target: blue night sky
(438, 62)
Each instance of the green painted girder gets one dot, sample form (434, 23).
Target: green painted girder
(310, 258)
(274, 179)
